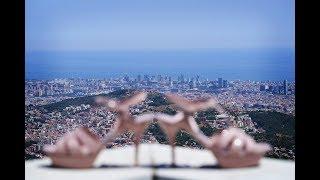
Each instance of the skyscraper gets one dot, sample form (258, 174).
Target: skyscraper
(146, 78)
(225, 83)
(285, 87)
(159, 78)
(220, 83)
(197, 79)
(191, 85)
(262, 87)
(181, 79)
(270, 89)
(126, 78)
(139, 78)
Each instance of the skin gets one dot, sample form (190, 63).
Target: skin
(183, 120)
(81, 146)
(232, 147)
(125, 121)
(235, 149)
(76, 149)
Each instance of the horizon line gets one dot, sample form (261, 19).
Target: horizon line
(161, 49)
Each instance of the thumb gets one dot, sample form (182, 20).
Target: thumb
(262, 148)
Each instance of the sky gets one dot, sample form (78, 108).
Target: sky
(103, 25)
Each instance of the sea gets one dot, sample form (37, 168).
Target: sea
(231, 64)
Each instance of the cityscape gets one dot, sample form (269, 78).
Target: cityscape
(212, 83)
(54, 107)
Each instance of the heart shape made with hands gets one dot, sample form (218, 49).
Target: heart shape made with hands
(232, 147)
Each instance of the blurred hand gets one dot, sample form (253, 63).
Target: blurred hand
(233, 149)
(76, 149)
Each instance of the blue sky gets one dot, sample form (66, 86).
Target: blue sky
(98, 25)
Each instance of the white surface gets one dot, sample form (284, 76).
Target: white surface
(159, 154)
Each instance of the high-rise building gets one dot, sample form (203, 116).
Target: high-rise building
(263, 87)
(126, 78)
(191, 84)
(197, 78)
(270, 89)
(146, 78)
(225, 83)
(139, 78)
(181, 79)
(285, 87)
(220, 83)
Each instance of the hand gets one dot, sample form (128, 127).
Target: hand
(123, 105)
(233, 149)
(195, 105)
(76, 149)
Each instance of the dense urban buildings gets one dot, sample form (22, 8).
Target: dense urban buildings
(48, 115)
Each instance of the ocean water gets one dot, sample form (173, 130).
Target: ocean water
(231, 64)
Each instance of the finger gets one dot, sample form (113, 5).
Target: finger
(237, 147)
(144, 118)
(168, 118)
(112, 134)
(65, 142)
(137, 137)
(49, 149)
(177, 99)
(112, 104)
(193, 126)
(73, 145)
(261, 148)
(196, 132)
(89, 141)
(226, 138)
(100, 100)
(85, 137)
(61, 145)
(246, 142)
(236, 131)
(170, 131)
(249, 145)
(215, 104)
(201, 105)
(182, 102)
(135, 99)
(85, 150)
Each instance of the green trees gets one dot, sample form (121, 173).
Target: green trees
(157, 99)
(279, 131)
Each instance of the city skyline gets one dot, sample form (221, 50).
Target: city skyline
(54, 107)
(156, 76)
(235, 64)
